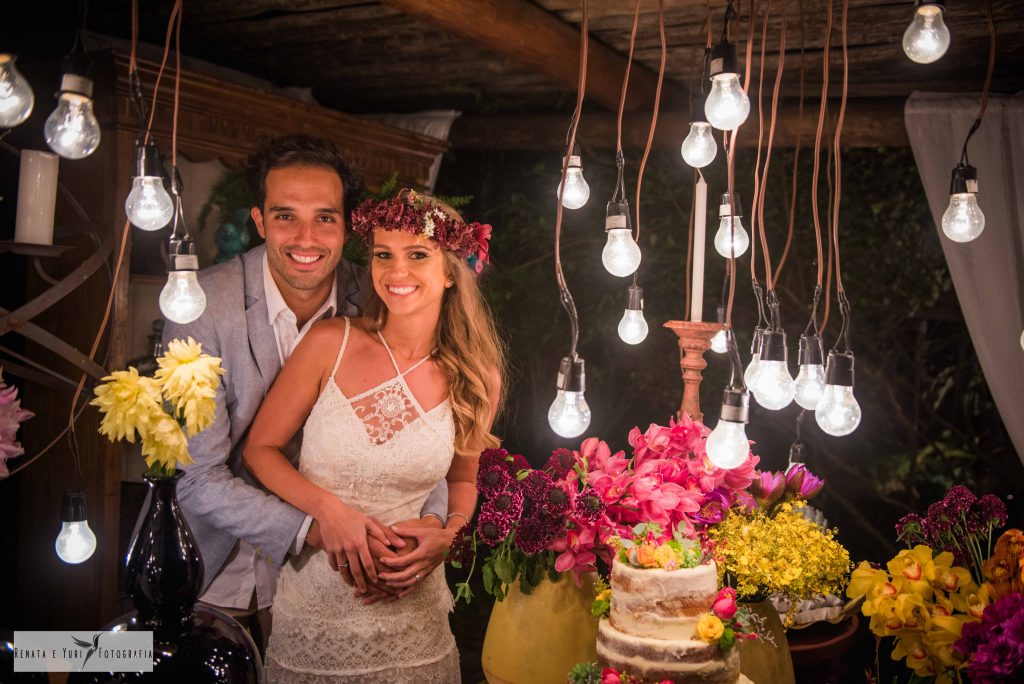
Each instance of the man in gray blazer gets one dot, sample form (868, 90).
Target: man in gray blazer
(259, 306)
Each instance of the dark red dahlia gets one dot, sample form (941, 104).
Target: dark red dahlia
(493, 479)
(461, 550)
(589, 506)
(560, 463)
(492, 527)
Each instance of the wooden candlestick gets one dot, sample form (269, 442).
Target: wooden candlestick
(694, 340)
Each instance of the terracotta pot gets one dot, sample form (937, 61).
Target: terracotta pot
(766, 661)
(536, 638)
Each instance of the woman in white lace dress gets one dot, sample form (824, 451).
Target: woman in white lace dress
(389, 404)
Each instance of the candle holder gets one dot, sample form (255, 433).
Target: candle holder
(694, 340)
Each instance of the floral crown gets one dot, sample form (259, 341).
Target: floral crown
(420, 215)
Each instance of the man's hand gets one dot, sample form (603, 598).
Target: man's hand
(344, 533)
(313, 537)
(380, 591)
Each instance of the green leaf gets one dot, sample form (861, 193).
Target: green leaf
(489, 577)
(504, 570)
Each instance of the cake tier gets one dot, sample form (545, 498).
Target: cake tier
(686, 661)
(661, 604)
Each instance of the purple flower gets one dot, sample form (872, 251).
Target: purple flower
(560, 464)
(767, 488)
(493, 457)
(492, 527)
(995, 646)
(958, 501)
(508, 502)
(493, 479)
(11, 417)
(910, 529)
(713, 508)
(588, 506)
(461, 550)
(802, 483)
(986, 511)
(533, 535)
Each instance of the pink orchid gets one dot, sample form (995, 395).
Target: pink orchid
(11, 417)
(577, 551)
(767, 488)
(802, 483)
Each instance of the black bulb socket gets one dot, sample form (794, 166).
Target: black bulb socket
(755, 344)
(635, 298)
(723, 60)
(72, 507)
(147, 160)
(735, 405)
(773, 346)
(964, 180)
(617, 217)
(729, 205)
(571, 375)
(697, 114)
(840, 369)
(812, 352)
(76, 77)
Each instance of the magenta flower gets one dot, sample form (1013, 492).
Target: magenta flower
(493, 479)
(802, 483)
(725, 603)
(767, 488)
(995, 646)
(560, 463)
(492, 527)
(714, 508)
(576, 551)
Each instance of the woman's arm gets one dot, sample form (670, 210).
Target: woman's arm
(434, 543)
(285, 410)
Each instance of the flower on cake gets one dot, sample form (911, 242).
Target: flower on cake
(710, 627)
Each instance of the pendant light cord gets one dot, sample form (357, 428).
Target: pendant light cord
(654, 118)
(844, 303)
(812, 324)
(796, 154)
(563, 287)
(988, 81)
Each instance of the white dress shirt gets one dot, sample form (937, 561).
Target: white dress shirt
(245, 570)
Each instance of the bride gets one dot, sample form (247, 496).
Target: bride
(388, 404)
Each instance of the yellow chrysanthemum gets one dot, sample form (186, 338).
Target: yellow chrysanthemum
(190, 380)
(129, 403)
(709, 627)
(165, 444)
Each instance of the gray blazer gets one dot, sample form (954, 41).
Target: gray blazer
(221, 500)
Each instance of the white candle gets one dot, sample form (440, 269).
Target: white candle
(37, 197)
(699, 230)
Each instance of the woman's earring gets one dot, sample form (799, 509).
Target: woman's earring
(449, 283)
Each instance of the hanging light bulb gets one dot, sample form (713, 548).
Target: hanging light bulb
(72, 130)
(16, 98)
(699, 148)
(720, 340)
(773, 385)
(731, 240)
(727, 106)
(963, 220)
(838, 412)
(750, 374)
(577, 192)
(727, 445)
(927, 38)
(810, 381)
(621, 254)
(569, 415)
(633, 326)
(148, 206)
(76, 541)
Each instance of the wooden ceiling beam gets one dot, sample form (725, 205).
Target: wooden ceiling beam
(535, 38)
(868, 123)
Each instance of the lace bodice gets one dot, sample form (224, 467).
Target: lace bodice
(382, 453)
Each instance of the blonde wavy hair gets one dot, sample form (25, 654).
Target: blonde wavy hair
(467, 348)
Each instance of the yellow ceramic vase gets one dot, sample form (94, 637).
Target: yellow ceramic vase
(766, 661)
(536, 638)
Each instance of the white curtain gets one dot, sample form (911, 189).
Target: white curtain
(988, 273)
(436, 124)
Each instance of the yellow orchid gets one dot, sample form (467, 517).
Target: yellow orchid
(916, 568)
(869, 582)
(190, 380)
(884, 620)
(911, 610)
(164, 445)
(978, 601)
(912, 648)
(940, 639)
(950, 579)
(129, 402)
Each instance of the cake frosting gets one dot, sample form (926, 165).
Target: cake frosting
(650, 631)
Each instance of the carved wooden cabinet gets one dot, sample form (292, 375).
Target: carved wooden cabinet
(217, 120)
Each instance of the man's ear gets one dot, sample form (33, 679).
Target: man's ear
(257, 218)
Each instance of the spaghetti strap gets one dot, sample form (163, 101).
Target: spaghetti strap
(341, 352)
(394, 363)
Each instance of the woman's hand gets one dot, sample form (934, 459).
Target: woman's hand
(344, 532)
(406, 571)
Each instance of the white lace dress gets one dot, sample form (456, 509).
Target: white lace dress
(381, 453)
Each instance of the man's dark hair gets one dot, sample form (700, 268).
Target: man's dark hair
(299, 149)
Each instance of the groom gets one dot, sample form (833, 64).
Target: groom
(259, 306)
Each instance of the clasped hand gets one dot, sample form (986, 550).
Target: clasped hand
(383, 563)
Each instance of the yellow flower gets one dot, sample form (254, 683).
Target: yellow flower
(164, 443)
(950, 579)
(645, 555)
(709, 627)
(868, 582)
(917, 656)
(665, 556)
(912, 611)
(916, 568)
(129, 402)
(190, 380)
(945, 631)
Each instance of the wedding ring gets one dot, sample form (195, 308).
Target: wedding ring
(417, 576)
(343, 565)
